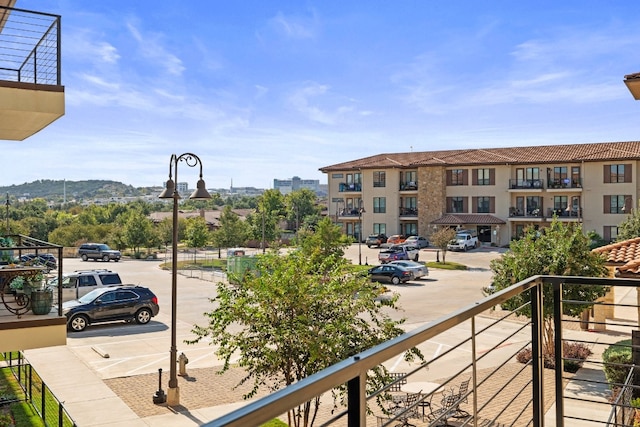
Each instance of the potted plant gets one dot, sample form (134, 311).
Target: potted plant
(41, 295)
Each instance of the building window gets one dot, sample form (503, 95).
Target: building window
(483, 177)
(519, 231)
(483, 204)
(409, 229)
(560, 204)
(610, 233)
(408, 180)
(456, 204)
(379, 179)
(617, 173)
(457, 177)
(618, 204)
(379, 228)
(534, 205)
(379, 205)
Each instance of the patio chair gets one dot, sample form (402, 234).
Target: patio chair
(444, 411)
(409, 410)
(461, 397)
(398, 379)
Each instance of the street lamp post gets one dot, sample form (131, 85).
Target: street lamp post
(7, 230)
(360, 212)
(171, 192)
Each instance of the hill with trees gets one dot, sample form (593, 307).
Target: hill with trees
(55, 190)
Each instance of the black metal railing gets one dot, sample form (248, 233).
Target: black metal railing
(526, 184)
(36, 392)
(30, 47)
(469, 345)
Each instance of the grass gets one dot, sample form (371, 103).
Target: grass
(446, 265)
(24, 413)
(200, 264)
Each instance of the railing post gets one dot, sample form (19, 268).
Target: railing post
(474, 369)
(537, 326)
(558, 350)
(635, 351)
(356, 401)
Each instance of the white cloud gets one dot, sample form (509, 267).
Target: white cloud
(151, 48)
(296, 27)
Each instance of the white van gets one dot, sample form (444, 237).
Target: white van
(81, 282)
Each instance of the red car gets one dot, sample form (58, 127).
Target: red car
(396, 239)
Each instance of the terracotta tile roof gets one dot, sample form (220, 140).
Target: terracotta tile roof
(621, 252)
(461, 219)
(634, 76)
(485, 156)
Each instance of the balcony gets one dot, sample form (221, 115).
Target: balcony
(409, 186)
(344, 187)
(31, 93)
(469, 346)
(565, 183)
(20, 329)
(408, 212)
(526, 184)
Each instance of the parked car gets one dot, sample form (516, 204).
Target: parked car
(81, 282)
(390, 273)
(418, 270)
(376, 240)
(417, 241)
(398, 252)
(45, 260)
(129, 303)
(98, 251)
(396, 239)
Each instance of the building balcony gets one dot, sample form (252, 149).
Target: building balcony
(409, 186)
(349, 187)
(20, 328)
(565, 184)
(526, 184)
(469, 347)
(408, 212)
(31, 92)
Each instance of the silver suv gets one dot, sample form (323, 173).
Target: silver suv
(81, 282)
(97, 251)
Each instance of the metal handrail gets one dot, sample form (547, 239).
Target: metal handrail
(353, 371)
(30, 47)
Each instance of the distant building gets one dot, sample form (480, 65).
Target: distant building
(286, 186)
(183, 187)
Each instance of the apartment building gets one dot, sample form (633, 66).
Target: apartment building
(497, 191)
(31, 98)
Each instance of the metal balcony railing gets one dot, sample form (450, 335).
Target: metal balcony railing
(29, 47)
(470, 345)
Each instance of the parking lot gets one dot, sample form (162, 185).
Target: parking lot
(138, 349)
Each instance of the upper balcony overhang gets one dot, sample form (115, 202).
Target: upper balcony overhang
(32, 331)
(31, 93)
(26, 108)
(633, 84)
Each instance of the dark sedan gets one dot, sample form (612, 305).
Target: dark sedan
(394, 274)
(107, 304)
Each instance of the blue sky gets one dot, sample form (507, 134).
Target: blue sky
(272, 89)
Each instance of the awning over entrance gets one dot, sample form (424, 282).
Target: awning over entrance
(462, 219)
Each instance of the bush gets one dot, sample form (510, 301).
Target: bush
(574, 356)
(617, 359)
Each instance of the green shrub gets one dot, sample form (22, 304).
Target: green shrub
(274, 423)
(615, 355)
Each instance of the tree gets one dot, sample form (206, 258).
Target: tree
(559, 249)
(441, 238)
(326, 243)
(630, 227)
(300, 204)
(232, 231)
(299, 315)
(196, 233)
(136, 230)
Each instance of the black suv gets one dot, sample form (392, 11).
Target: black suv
(127, 302)
(97, 251)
